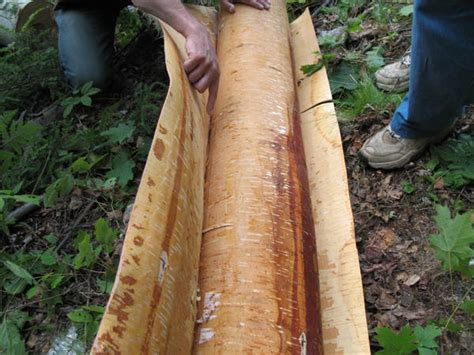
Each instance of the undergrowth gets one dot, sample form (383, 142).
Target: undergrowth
(73, 154)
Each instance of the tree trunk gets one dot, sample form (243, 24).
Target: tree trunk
(258, 268)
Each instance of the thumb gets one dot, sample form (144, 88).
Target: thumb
(226, 4)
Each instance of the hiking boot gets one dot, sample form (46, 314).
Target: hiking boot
(394, 77)
(387, 150)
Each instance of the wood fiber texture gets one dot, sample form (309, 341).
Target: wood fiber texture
(258, 270)
(152, 308)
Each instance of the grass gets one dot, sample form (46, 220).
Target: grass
(367, 98)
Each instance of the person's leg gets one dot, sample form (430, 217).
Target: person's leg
(86, 48)
(441, 78)
(441, 69)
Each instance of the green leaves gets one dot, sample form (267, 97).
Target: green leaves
(407, 340)
(426, 337)
(79, 97)
(19, 271)
(403, 342)
(81, 165)
(122, 168)
(15, 133)
(10, 195)
(59, 189)
(87, 254)
(310, 69)
(11, 342)
(468, 306)
(321, 61)
(49, 257)
(105, 235)
(88, 317)
(454, 162)
(374, 59)
(407, 186)
(452, 244)
(80, 316)
(406, 10)
(345, 76)
(120, 133)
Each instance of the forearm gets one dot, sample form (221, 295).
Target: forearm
(173, 12)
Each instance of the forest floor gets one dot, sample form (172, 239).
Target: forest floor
(58, 263)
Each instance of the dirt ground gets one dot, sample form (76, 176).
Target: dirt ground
(403, 282)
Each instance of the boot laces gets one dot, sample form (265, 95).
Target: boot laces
(406, 60)
(393, 135)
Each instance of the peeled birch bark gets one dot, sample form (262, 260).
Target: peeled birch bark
(341, 293)
(152, 308)
(258, 270)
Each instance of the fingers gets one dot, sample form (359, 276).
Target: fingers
(206, 80)
(258, 4)
(203, 74)
(212, 96)
(193, 62)
(199, 71)
(228, 6)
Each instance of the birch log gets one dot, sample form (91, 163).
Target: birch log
(258, 269)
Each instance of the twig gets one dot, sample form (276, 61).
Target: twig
(316, 12)
(74, 225)
(457, 307)
(22, 211)
(42, 172)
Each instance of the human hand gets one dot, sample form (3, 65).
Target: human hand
(201, 67)
(258, 4)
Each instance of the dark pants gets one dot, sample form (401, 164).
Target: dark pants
(86, 43)
(441, 71)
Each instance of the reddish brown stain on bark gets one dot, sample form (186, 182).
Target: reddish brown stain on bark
(119, 305)
(119, 330)
(159, 149)
(138, 241)
(128, 280)
(162, 129)
(137, 226)
(150, 182)
(150, 198)
(313, 305)
(136, 259)
(172, 215)
(107, 345)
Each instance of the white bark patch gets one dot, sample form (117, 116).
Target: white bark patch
(205, 335)
(211, 302)
(303, 343)
(163, 266)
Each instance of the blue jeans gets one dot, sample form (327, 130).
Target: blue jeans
(441, 71)
(86, 43)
